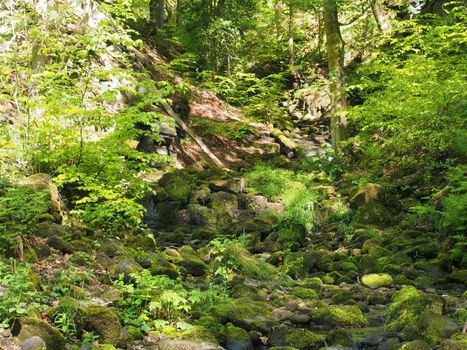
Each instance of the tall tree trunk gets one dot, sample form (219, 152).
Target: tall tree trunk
(178, 19)
(335, 53)
(160, 13)
(277, 17)
(291, 36)
(382, 16)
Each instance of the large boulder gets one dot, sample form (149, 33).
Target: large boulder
(104, 322)
(418, 316)
(26, 328)
(247, 314)
(294, 338)
(237, 338)
(345, 316)
(192, 262)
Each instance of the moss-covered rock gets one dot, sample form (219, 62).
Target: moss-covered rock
(105, 323)
(160, 265)
(223, 201)
(72, 309)
(304, 293)
(410, 312)
(166, 213)
(177, 184)
(28, 327)
(199, 333)
(337, 315)
(302, 339)
(245, 313)
(214, 326)
(459, 276)
(416, 345)
(60, 244)
(125, 267)
(237, 338)
(436, 327)
(192, 262)
(376, 280)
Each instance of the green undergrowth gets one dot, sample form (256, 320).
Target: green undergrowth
(231, 130)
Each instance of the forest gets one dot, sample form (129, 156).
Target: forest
(233, 174)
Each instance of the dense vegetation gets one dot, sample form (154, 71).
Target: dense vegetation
(238, 174)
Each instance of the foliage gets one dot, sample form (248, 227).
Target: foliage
(294, 189)
(149, 299)
(18, 292)
(229, 257)
(20, 208)
(412, 120)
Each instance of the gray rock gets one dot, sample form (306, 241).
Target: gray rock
(171, 344)
(34, 343)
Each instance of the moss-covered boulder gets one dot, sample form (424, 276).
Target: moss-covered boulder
(237, 338)
(214, 326)
(177, 185)
(60, 244)
(192, 262)
(165, 213)
(160, 264)
(345, 316)
(28, 327)
(245, 313)
(302, 339)
(72, 308)
(376, 280)
(223, 201)
(436, 327)
(199, 333)
(417, 316)
(304, 293)
(416, 345)
(297, 338)
(125, 268)
(459, 276)
(104, 322)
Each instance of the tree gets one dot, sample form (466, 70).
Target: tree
(157, 13)
(335, 53)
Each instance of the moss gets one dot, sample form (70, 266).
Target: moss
(27, 327)
(104, 322)
(245, 313)
(338, 315)
(237, 338)
(436, 327)
(314, 283)
(178, 185)
(304, 293)
(106, 347)
(134, 333)
(60, 244)
(408, 314)
(125, 267)
(192, 262)
(416, 345)
(216, 328)
(376, 280)
(459, 276)
(199, 333)
(302, 339)
(223, 201)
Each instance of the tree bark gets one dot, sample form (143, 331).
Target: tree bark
(291, 37)
(335, 53)
(178, 19)
(382, 17)
(160, 12)
(277, 17)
